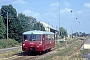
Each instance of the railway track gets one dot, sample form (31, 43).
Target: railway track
(26, 56)
(44, 54)
(9, 49)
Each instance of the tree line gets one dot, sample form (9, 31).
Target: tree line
(18, 23)
(80, 34)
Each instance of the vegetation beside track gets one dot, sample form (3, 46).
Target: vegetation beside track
(9, 55)
(69, 52)
(8, 43)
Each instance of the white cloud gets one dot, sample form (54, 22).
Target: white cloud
(19, 2)
(66, 10)
(54, 4)
(80, 12)
(30, 13)
(87, 5)
(67, 4)
(54, 7)
(84, 12)
(50, 14)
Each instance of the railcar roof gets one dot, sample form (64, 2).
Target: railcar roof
(37, 32)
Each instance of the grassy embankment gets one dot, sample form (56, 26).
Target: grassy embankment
(69, 52)
(8, 43)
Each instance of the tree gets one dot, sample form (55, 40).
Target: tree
(27, 22)
(63, 32)
(39, 26)
(2, 28)
(14, 27)
(12, 13)
(16, 24)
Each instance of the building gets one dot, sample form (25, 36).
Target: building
(49, 28)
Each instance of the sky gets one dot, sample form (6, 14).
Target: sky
(48, 11)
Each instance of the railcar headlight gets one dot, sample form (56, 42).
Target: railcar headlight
(23, 44)
(26, 40)
(40, 43)
(37, 46)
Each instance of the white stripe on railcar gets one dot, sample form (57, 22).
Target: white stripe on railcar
(38, 32)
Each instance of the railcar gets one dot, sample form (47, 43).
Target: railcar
(37, 40)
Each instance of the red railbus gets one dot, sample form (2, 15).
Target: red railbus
(37, 40)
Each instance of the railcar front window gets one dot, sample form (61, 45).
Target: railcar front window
(32, 37)
(25, 37)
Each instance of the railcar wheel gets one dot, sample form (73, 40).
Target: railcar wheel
(48, 50)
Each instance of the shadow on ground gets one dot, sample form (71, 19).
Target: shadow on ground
(32, 53)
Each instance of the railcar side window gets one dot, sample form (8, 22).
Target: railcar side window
(49, 37)
(52, 36)
(38, 37)
(46, 37)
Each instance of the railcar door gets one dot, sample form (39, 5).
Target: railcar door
(47, 42)
(43, 42)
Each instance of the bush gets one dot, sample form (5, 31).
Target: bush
(8, 43)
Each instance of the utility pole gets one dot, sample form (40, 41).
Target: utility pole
(76, 30)
(7, 25)
(59, 27)
(59, 18)
(71, 24)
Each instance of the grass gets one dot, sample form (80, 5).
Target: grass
(85, 51)
(7, 55)
(68, 53)
(62, 54)
(7, 44)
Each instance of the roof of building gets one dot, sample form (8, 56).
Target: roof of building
(37, 32)
(45, 24)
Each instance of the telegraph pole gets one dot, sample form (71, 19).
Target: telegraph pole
(59, 27)
(71, 24)
(76, 29)
(59, 18)
(7, 25)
